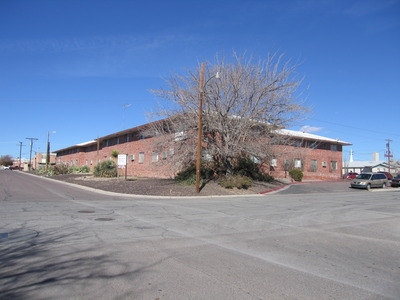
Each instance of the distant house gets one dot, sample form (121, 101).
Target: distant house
(320, 158)
(374, 165)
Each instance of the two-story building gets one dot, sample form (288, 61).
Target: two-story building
(320, 158)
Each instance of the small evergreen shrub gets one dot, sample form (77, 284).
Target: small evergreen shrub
(235, 181)
(107, 168)
(188, 176)
(246, 167)
(60, 169)
(296, 174)
(79, 169)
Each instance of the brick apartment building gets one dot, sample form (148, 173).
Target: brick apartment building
(319, 158)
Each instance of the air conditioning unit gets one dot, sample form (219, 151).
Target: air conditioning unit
(324, 164)
(132, 157)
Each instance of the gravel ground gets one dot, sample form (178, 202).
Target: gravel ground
(161, 187)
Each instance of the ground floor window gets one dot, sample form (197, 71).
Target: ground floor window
(141, 157)
(154, 157)
(313, 165)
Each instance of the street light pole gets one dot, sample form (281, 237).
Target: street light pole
(199, 128)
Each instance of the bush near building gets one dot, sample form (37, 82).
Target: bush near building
(296, 174)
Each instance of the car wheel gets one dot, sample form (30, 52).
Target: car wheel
(368, 186)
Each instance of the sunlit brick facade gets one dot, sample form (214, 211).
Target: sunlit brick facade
(319, 158)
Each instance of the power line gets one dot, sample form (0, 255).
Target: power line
(353, 127)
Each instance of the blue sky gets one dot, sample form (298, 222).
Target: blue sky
(73, 66)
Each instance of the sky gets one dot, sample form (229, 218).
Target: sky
(75, 70)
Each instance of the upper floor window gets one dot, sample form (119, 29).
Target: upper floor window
(297, 143)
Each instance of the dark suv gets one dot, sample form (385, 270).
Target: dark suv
(395, 181)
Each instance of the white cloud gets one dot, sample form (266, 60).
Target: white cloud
(309, 129)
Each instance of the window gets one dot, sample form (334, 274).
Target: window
(164, 155)
(180, 136)
(286, 165)
(333, 165)
(313, 165)
(333, 147)
(274, 162)
(141, 157)
(254, 159)
(154, 157)
(206, 156)
(171, 151)
(297, 163)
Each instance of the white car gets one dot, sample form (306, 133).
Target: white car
(6, 168)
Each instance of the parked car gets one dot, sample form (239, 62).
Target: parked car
(388, 175)
(350, 175)
(395, 181)
(15, 168)
(6, 168)
(369, 180)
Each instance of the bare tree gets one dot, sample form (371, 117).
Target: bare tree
(6, 160)
(242, 108)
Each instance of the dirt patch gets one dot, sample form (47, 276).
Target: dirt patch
(161, 187)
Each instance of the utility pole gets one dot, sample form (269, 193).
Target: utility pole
(20, 153)
(199, 128)
(30, 152)
(388, 154)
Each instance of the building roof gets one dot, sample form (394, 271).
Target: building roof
(363, 164)
(309, 136)
(286, 132)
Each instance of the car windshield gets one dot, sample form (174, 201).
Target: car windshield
(364, 176)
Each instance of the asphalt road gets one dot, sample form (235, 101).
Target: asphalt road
(306, 242)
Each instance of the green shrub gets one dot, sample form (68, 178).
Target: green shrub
(235, 181)
(60, 169)
(107, 168)
(79, 169)
(246, 167)
(296, 174)
(188, 176)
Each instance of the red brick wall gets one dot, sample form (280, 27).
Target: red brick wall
(161, 169)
